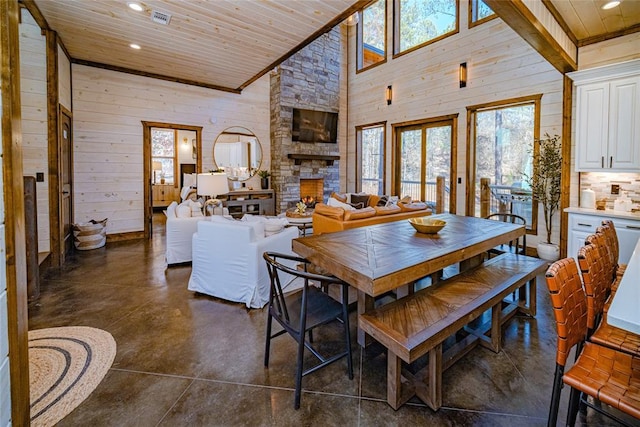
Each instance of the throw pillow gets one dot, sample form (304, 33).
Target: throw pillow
(183, 210)
(337, 204)
(351, 195)
(196, 208)
(358, 205)
(339, 197)
(393, 201)
(382, 201)
(274, 226)
(171, 210)
(358, 198)
(405, 199)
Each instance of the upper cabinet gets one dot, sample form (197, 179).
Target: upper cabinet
(607, 118)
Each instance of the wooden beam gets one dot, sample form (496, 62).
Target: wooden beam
(565, 181)
(14, 223)
(516, 14)
(608, 36)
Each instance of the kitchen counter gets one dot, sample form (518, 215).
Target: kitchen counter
(583, 222)
(623, 312)
(610, 213)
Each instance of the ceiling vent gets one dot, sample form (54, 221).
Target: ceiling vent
(160, 17)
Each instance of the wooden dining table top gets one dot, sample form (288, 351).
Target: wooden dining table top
(378, 258)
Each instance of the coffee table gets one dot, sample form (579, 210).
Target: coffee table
(303, 222)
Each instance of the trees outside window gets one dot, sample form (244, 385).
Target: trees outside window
(479, 12)
(371, 148)
(419, 22)
(372, 34)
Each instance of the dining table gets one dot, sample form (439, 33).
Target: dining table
(623, 312)
(380, 258)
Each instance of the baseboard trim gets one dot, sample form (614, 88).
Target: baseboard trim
(119, 237)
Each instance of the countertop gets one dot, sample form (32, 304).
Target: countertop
(623, 312)
(607, 212)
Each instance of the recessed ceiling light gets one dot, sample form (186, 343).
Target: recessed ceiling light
(610, 5)
(134, 46)
(135, 6)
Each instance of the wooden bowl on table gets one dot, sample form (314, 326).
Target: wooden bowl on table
(427, 225)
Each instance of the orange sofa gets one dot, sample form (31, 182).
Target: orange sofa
(328, 219)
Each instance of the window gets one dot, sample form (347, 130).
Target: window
(479, 12)
(419, 22)
(371, 148)
(372, 34)
(423, 153)
(502, 142)
(163, 150)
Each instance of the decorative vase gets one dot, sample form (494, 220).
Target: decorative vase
(548, 251)
(161, 180)
(264, 183)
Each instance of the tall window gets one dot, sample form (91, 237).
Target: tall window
(503, 143)
(419, 22)
(371, 149)
(423, 153)
(372, 32)
(163, 151)
(479, 12)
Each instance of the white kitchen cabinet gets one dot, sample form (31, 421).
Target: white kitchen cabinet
(608, 117)
(583, 224)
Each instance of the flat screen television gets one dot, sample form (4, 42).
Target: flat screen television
(314, 126)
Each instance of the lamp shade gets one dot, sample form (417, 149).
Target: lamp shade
(157, 166)
(212, 184)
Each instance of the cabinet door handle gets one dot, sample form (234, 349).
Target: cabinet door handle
(632, 227)
(602, 162)
(584, 225)
(611, 161)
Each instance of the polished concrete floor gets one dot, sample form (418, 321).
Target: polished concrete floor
(192, 360)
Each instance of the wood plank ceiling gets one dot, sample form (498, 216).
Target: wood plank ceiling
(227, 44)
(224, 44)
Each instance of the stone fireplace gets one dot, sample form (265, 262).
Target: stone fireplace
(309, 79)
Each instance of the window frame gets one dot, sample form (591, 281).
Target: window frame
(471, 178)
(449, 120)
(359, 130)
(359, 39)
(396, 31)
(481, 21)
(174, 158)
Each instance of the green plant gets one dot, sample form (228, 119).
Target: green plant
(264, 174)
(545, 179)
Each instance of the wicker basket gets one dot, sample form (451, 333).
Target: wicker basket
(90, 235)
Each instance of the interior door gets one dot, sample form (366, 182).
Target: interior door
(66, 184)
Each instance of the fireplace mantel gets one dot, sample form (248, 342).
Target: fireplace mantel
(298, 158)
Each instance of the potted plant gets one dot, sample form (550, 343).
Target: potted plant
(264, 178)
(545, 188)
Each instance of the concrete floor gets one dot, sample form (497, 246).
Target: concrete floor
(186, 359)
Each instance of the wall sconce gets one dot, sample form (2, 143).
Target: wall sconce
(389, 94)
(463, 74)
(353, 19)
(185, 140)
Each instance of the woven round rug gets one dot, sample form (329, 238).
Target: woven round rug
(65, 365)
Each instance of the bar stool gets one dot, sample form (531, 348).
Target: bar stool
(609, 376)
(609, 231)
(596, 281)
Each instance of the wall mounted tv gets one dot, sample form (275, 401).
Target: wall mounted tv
(314, 126)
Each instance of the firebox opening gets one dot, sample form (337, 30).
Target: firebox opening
(311, 191)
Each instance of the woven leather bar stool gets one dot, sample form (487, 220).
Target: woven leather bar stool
(609, 376)
(596, 282)
(605, 256)
(609, 231)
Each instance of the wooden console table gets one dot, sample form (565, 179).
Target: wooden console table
(253, 202)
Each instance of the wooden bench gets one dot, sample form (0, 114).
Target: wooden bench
(419, 324)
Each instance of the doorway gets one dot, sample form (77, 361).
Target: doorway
(423, 151)
(170, 150)
(66, 184)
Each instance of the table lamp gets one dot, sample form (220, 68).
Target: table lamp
(212, 185)
(156, 166)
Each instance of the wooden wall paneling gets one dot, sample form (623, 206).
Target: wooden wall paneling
(620, 49)
(33, 79)
(16, 276)
(64, 78)
(108, 110)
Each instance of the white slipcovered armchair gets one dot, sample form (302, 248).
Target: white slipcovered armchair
(228, 262)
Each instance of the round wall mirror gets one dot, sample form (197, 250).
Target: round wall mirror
(238, 152)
